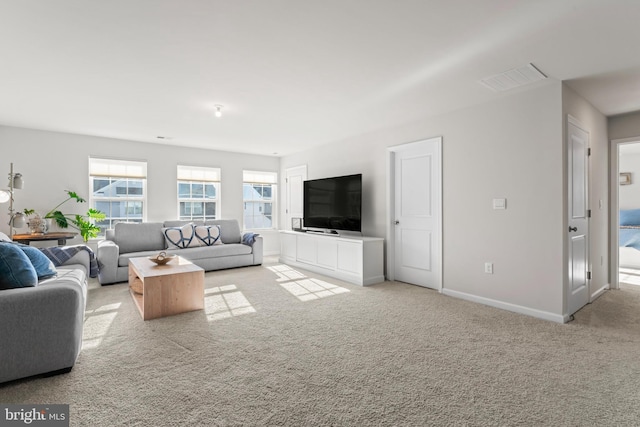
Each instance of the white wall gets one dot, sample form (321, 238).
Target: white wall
(629, 195)
(624, 126)
(511, 148)
(596, 123)
(52, 162)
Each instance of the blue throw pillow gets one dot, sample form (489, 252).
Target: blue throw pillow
(630, 217)
(16, 271)
(43, 265)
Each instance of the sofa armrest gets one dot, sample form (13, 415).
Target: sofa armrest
(41, 328)
(257, 246)
(82, 258)
(108, 253)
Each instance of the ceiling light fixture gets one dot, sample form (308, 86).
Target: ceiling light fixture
(218, 110)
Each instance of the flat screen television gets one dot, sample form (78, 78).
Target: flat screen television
(333, 203)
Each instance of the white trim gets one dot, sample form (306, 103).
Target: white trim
(598, 293)
(544, 315)
(392, 150)
(410, 145)
(572, 120)
(302, 169)
(614, 215)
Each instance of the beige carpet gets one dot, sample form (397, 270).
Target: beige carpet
(276, 346)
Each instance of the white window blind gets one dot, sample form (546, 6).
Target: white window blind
(117, 168)
(198, 173)
(260, 177)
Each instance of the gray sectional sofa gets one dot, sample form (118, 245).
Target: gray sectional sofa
(41, 327)
(129, 240)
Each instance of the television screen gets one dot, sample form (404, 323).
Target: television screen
(333, 203)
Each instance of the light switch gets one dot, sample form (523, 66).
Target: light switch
(499, 203)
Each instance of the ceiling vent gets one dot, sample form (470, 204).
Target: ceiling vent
(513, 78)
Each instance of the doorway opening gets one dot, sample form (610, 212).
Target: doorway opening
(414, 201)
(626, 233)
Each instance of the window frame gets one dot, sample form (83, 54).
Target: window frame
(262, 178)
(198, 175)
(117, 170)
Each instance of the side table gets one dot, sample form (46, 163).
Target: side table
(28, 238)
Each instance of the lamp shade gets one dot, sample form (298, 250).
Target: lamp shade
(4, 196)
(17, 181)
(18, 220)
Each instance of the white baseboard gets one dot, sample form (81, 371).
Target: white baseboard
(545, 315)
(270, 253)
(599, 292)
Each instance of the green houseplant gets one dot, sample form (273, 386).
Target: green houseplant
(83, 223)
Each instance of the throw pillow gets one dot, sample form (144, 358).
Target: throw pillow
(630, 217)
(16, 271)
(4, 237)
(41, 263)
(209, 235)
(180, 237)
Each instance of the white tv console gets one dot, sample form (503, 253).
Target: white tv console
(357, 260)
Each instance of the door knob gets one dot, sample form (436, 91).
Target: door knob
(397, 222)
(573, 228)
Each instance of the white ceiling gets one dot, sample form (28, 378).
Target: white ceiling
(292, 74)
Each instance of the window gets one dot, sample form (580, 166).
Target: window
(259, 197)
(118, 188)
(198, 192)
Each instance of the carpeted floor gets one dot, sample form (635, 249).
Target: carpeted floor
(276, 346)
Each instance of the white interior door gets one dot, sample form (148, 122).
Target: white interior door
(418, 213)
(294, 179)
(578, 203)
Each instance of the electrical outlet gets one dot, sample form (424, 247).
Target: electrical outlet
(488, 268)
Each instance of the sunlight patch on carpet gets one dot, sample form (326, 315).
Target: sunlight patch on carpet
(286, 273)
(225, 301)
(630, 276)
(303, 287)
(97, 323)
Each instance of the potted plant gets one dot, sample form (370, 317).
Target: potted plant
(83, 223)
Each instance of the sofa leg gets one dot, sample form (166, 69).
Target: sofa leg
(57, 372)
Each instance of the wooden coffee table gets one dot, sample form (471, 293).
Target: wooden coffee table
(176, 287)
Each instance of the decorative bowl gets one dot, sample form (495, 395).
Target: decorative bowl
(162, 258)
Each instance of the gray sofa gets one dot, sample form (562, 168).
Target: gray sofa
(41, 327)
(129, 240)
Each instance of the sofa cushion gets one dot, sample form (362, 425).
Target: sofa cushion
(123, 259)
(180, 237)
(16, 271)
(208, 235)
(229, 229)
(134, 237)
(212, 251)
